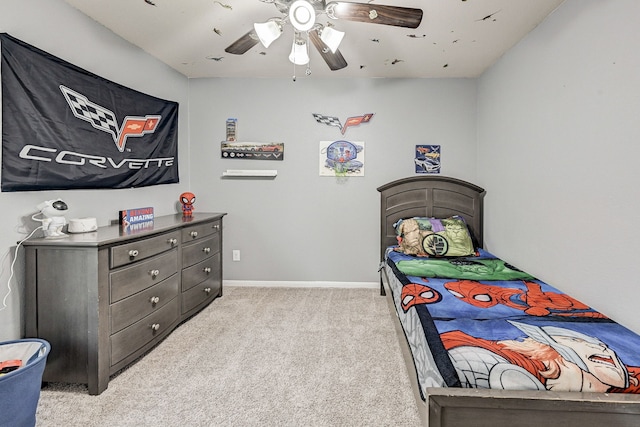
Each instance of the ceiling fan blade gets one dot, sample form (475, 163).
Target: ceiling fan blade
(375, 14)
(243, 44)
(335, 61)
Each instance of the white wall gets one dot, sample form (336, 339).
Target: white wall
(300, 226)
(59, 29)
(559, 120)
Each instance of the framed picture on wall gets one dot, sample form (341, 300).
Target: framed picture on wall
(427, 159)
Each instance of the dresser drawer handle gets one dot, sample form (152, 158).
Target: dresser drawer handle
(207, 270)
(194, 234)
(217, 226)
(154, 273)
(172, 241)
(207, 290)
(155, 300)
(155, 327)
(206, 250)
(133, 253)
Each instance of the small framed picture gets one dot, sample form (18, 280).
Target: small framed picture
(427, 159)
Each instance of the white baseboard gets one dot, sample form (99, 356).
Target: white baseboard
(298, 284)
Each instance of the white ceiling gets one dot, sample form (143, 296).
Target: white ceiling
(456, 38)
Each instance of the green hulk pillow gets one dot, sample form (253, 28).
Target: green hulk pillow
(433, 237)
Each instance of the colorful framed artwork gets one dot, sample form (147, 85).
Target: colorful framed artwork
(427, 159)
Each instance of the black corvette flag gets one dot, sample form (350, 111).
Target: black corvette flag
(66, 128)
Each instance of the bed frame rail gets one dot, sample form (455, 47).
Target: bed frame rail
(480, 408)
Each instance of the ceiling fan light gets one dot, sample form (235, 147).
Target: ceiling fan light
(302, 15)
(331, 38)
(299, 54)
(267, 32)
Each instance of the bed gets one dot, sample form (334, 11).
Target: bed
(485, 343)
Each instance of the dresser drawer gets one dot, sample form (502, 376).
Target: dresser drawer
(141, 249)
(129, 310)
(136, 277)
(200, 250)
(140, 333)
(199, 294)
(205, 270)
(199, 231)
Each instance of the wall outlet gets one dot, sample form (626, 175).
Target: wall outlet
(236, 254)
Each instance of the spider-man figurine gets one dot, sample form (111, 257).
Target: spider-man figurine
(187, 199)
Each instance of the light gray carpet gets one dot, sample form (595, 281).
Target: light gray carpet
(258, 357)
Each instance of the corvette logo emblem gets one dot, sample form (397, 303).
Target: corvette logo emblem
(334, 121)
(105, 120)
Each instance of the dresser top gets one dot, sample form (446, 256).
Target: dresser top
(116, 233)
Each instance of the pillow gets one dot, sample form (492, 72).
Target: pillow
(433, 237)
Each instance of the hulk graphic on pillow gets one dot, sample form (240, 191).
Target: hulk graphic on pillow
(431, 236)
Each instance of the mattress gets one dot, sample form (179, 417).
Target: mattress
(480, 322)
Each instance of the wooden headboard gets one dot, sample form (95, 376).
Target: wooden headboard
(429, 196)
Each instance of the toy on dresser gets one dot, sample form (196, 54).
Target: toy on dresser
(53, 217)
(187, 200)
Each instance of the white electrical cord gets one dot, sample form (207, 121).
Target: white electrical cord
(15, 257)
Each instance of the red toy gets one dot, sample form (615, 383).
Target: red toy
(7, 366)
(187, 199)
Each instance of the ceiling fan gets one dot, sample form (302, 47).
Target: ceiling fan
(303, 14)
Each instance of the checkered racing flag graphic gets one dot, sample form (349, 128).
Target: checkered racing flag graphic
(328, 120)
(99, 117)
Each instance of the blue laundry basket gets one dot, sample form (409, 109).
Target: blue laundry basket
(20, 389)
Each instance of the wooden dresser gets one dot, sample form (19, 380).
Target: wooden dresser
(103, 299)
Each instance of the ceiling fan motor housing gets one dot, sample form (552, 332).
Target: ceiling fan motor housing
(302, 15)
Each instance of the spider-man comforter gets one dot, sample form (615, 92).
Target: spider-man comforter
(479, 322)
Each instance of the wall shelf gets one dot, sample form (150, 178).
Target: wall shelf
(250, 173)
